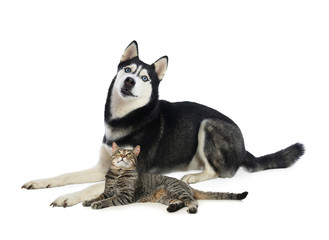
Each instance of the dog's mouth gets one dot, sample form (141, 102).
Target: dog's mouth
(127, 92)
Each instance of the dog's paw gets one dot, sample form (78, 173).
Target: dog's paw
(38, 184)
(67, 200)
(191, 178)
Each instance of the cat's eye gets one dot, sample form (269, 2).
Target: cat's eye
(127, 70)
(145, 78)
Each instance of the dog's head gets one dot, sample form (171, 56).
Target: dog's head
(136, 82)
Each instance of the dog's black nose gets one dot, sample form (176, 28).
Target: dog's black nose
(129, 82)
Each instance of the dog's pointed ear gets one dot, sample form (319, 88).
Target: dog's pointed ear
(137, 150)
(130, 52)
(160, 66)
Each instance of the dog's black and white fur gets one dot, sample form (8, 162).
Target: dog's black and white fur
(173, 136)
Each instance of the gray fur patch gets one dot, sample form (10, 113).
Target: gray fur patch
(223, 147)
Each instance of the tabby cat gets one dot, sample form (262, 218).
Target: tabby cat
(124, 185)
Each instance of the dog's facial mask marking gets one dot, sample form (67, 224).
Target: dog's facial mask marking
(130, 68)
(133, 82)
(136, 82)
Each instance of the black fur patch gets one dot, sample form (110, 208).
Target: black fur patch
(281, 159)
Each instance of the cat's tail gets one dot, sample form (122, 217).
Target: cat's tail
(281, 159)
(197, 194)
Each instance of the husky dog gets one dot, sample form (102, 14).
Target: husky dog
(173, 136)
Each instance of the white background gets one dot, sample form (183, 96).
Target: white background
(262, 63)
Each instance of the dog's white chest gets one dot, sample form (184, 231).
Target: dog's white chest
(113, 134)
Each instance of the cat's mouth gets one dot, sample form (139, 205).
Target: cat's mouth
(121, 160)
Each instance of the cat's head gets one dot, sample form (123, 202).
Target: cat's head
(124, 158)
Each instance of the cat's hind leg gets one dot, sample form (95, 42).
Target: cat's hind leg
(162, 195)
(177, 204)
(172, 203)
(192, 206)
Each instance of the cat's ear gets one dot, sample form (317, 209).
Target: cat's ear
(114, 147)
(137, 150)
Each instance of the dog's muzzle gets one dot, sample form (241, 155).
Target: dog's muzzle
(128, 85)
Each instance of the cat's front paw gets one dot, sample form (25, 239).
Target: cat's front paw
(87, 203)
(97, 205)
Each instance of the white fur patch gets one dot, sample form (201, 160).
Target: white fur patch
(208, 172)
(121, 104)
(114, 135)
(195, 164)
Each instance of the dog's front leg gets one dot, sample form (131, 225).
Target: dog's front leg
(93, 174)
(71, 199)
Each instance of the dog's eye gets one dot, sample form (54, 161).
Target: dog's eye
(144, 78)
(127, 69)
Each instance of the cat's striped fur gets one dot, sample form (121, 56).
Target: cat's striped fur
(124, 186)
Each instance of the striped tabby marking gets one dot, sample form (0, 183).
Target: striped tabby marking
(124, 185)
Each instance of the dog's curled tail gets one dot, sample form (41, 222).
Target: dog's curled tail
(281, 159)
(197, 194)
